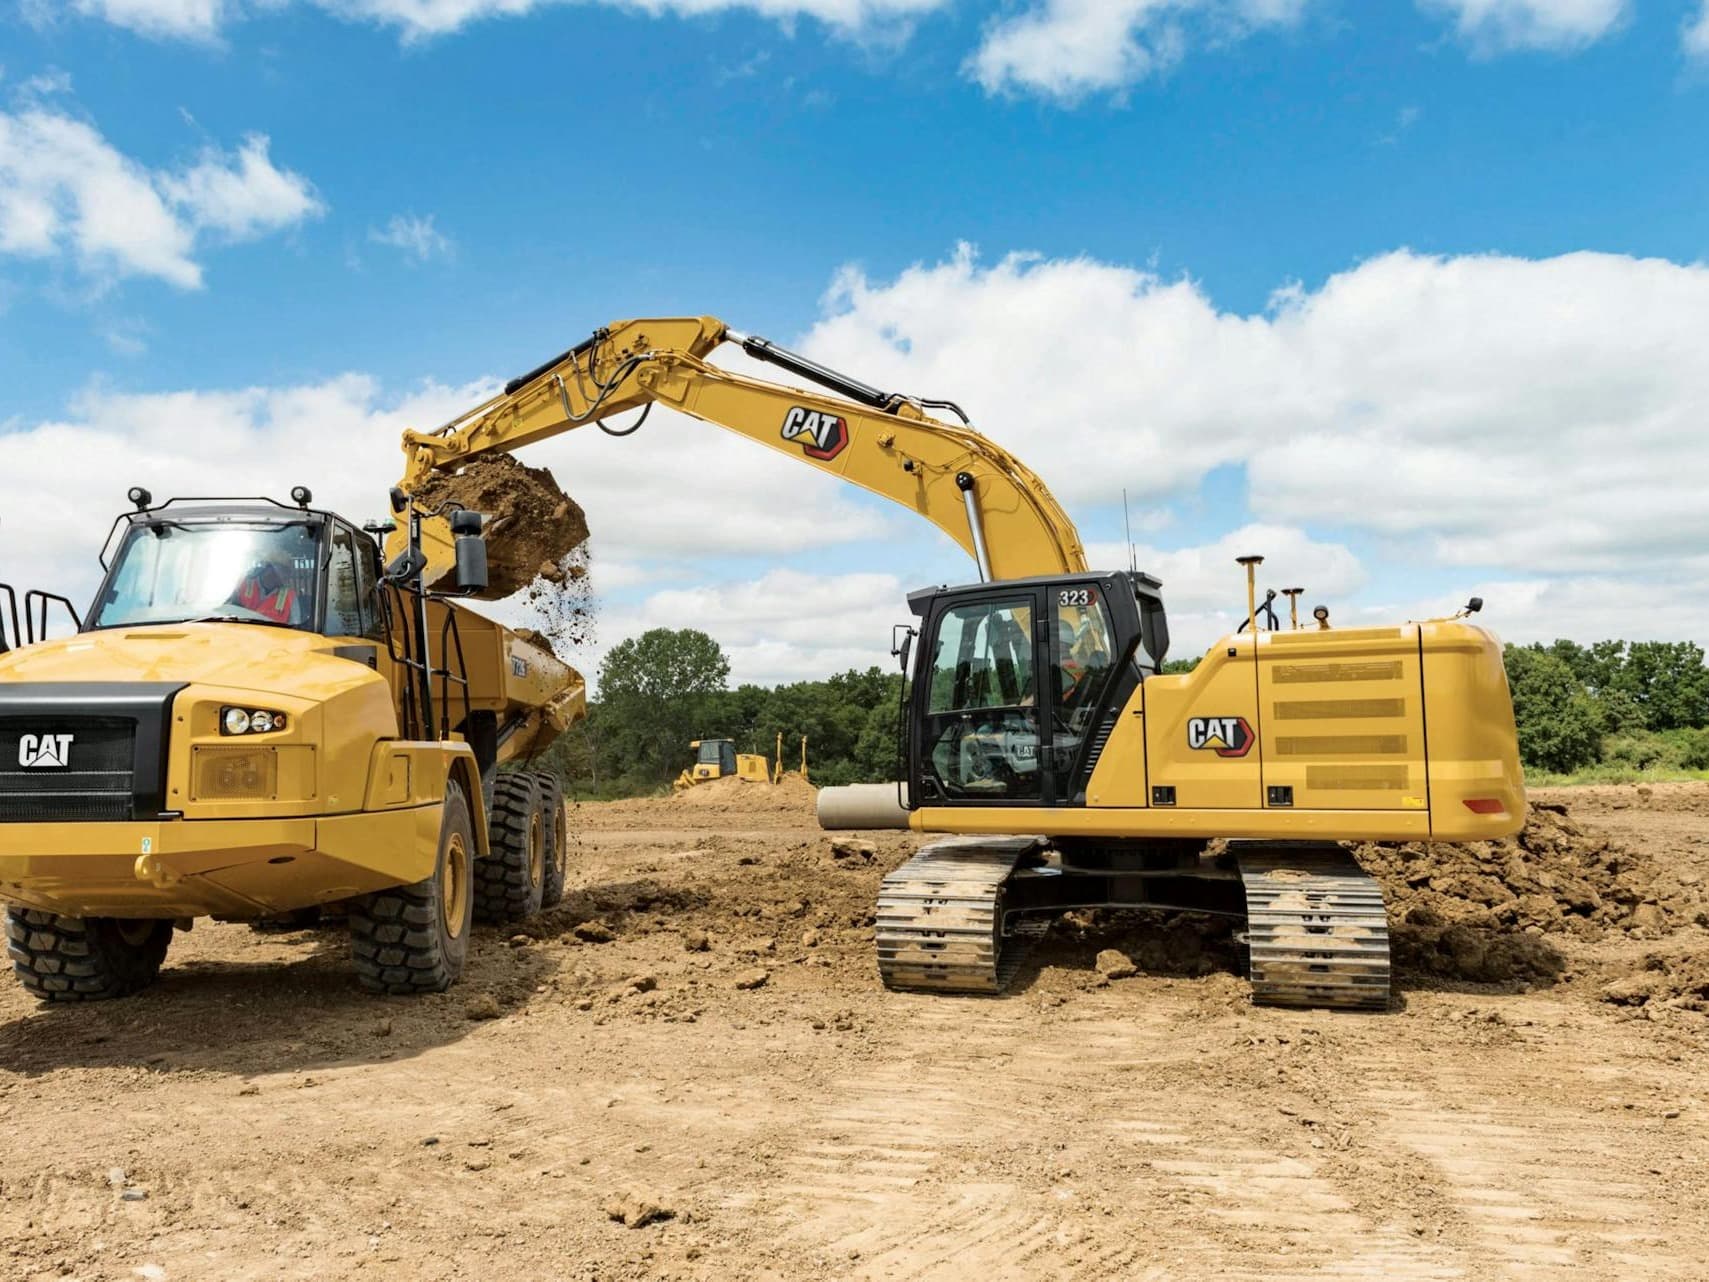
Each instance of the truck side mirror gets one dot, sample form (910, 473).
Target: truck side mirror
(471, 551)
(405, 566)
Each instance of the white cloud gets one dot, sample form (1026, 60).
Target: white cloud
(1696, 35)
(203, 20)
(1532, 417)
(1530, 430)
(413, 237)
(1498, 26)
(784, 625)
(1066, 49)
(180, 19)
(66, 191)
(1205, 578)
(244, 196)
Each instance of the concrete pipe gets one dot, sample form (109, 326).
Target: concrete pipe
(862, 805)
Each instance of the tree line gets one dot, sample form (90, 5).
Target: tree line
(663, 689)
(1642, 705)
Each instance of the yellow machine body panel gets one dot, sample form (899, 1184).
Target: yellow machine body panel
(335, 804)
(1342, 718)
(1379, 734)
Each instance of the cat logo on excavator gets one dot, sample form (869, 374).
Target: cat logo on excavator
(821, 435)
(1226, 736)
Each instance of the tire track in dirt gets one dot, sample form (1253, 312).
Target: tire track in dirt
(1549, 1190)
(1000, 1143)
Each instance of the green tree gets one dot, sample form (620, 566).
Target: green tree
(1668, 681)
(1560, 725)
(654, 693)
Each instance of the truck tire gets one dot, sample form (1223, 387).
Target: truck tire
(415, 939)
(510, 882)
(84, 959)
(557, 841)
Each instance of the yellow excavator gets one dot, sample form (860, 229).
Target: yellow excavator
(259, 717)
(1039, 728)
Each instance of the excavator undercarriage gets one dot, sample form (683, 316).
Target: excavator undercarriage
(959, 916)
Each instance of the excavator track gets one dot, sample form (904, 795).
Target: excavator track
(940, 917)
(1317, 928)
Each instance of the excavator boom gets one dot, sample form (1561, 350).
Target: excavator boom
(989, 503)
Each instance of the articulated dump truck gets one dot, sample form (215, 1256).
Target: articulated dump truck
(259, 716)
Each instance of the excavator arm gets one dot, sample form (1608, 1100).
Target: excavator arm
(991, 504)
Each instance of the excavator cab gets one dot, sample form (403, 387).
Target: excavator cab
(1018, 684)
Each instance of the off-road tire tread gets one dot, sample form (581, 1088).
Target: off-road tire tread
(394, 937)
(503, 889)
(557, 853)
(77, 959)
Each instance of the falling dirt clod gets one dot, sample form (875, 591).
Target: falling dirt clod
(533, 527)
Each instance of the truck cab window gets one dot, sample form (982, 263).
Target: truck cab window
(982, 729)
(344, 604)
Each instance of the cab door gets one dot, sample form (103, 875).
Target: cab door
(1082, 651)
(978, 701)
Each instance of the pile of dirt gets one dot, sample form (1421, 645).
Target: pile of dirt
(1493, 911)
(1677, 981)
(533, 528)
(732, 795)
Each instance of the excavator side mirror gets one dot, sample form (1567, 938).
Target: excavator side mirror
(902, 644)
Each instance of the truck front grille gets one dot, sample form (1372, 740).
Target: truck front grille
(67, 768)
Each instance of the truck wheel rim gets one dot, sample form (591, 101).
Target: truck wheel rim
(136, 933)
(454, 901)
(536, 851)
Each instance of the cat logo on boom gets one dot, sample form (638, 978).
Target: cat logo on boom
(1226, 736)
(822, 436)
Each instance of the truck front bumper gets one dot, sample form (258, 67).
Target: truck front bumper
(220, 867)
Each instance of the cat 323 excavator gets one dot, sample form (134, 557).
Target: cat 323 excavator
(1039, 732)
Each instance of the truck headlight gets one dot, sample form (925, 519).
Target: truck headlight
(235, 721)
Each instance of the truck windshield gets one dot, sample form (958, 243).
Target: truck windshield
(179, 572)
(709, 751)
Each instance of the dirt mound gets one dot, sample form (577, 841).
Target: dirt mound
(1491, 911)
(791, 793)
(1679, 981)
(533, 527)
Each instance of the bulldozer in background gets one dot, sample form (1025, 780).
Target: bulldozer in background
(718, 759)
(259, 716)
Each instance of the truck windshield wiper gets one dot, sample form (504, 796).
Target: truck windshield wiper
(234, 618)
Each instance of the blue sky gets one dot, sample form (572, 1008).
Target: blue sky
(412, 211)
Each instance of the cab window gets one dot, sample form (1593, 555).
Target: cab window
(343, 600)
(981, 728)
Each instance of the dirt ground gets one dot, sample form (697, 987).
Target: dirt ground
(697, 1043)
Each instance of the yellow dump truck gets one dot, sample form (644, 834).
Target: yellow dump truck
(259, 716)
